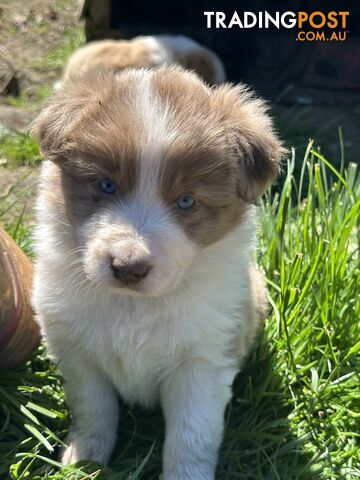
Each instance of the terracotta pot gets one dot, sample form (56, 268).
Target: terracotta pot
(19, 334)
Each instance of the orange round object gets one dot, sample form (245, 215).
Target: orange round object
(19, 333)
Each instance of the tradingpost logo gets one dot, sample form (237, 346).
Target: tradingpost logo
(316, 26)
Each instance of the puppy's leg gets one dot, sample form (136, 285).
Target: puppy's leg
(94, 407)
(194, 398)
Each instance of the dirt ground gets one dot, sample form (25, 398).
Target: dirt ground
(38, 36)
(32, 32)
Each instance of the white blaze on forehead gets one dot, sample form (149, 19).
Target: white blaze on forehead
(158, 131)
(144, 210)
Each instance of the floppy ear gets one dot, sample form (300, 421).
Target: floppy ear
(52, 126)
(77, 98)
(253, 141)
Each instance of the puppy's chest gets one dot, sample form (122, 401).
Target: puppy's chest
(134, 369)
(134, 354)
(136, 345)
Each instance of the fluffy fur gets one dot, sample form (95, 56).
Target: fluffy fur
(146, 52)
(179, 336)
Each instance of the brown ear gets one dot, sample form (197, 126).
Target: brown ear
(78, 98)
(252, 138)
(52, 126)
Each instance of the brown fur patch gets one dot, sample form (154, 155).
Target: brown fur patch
(76, 197)
(116, 55)
(251, 134)
(90, 129)
(199, 168)
(225, 152)
(197, 163)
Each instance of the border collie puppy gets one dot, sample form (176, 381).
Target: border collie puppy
(145, 284)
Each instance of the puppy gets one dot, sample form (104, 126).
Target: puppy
(144, 282)
(146, 52)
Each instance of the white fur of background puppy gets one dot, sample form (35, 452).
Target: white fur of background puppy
(144, 283)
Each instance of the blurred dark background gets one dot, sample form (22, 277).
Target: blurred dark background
(277, 65)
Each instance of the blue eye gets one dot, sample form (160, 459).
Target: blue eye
(107, 186)
(185, 202)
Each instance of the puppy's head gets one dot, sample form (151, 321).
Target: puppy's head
(149, 167)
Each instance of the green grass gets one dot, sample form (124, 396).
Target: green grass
(295, 412)
(26, 100)
(73, 38)
(17, 149)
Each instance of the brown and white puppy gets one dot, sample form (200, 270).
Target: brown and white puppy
(148, 52)
(144, 281)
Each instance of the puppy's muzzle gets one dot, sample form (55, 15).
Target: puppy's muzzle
(130, 272)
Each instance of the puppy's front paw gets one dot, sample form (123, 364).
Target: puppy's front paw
(97, 448)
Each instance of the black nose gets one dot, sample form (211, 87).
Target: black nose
(130, 273)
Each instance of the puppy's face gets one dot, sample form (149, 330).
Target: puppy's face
(151, 167)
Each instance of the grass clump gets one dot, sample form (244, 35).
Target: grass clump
(300, 408)
(18, 149)
(27, 100)
(73, 38)
(295, 412)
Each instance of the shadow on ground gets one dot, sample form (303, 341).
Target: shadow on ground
(258, 442)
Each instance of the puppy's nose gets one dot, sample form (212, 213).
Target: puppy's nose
(130, 273)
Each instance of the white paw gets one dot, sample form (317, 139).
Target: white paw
(82, 446)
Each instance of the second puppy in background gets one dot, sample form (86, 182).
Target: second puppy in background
(148, 52)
